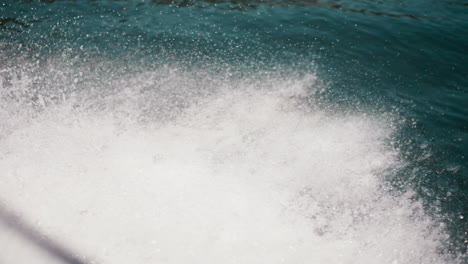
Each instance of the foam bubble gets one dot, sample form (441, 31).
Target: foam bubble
(179, 166)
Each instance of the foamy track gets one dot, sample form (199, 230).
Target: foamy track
(180, 166)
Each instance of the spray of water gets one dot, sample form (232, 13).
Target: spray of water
(173, 165)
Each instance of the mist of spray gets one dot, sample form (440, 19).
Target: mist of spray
(174, 165)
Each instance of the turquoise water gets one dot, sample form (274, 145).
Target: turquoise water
(339, 126)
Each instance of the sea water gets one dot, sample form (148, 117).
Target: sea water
(233, 131)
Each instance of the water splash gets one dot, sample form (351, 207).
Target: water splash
(179, 165)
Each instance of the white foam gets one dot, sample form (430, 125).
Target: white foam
(247, 172)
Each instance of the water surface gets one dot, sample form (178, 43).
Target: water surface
(234, 131)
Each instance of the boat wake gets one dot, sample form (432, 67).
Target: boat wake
(178, 165)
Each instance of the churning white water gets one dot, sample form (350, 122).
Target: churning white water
(183, 166)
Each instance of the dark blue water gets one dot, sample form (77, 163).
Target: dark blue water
(404, 63)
